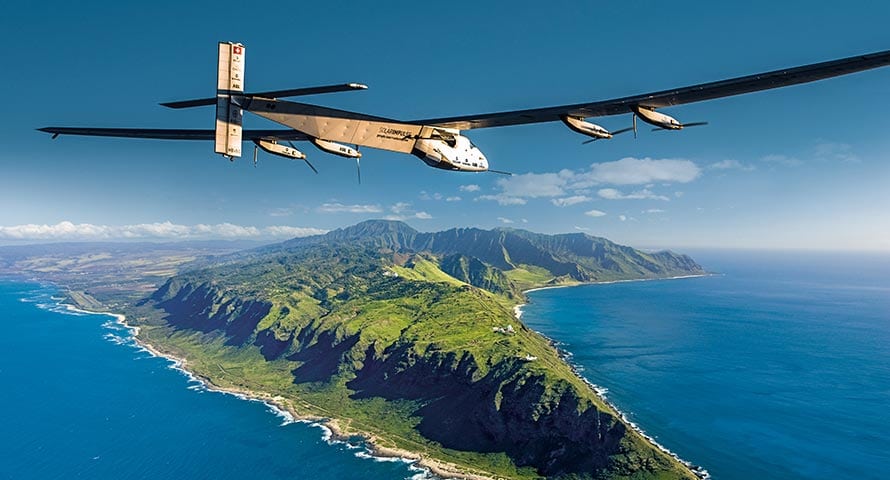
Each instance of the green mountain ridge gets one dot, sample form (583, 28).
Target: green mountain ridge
(410, 338)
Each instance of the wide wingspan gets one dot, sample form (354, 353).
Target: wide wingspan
(677, 96)
(172, 134)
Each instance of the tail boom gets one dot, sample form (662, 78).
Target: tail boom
(229, 87)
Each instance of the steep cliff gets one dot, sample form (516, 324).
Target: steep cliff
(412, 336)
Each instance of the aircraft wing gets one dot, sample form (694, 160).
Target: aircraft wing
(172, 134)
(677, 96)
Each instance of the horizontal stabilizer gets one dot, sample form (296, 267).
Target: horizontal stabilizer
(293, 92)
(172, 134)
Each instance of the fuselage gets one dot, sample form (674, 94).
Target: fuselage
(457, 154)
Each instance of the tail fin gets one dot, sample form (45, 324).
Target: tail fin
(229, 82)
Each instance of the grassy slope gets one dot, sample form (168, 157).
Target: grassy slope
(441, 314)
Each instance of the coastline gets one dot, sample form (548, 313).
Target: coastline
(601, 391)
(332, 430)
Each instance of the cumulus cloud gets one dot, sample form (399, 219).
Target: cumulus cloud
(423, 216)
(731, 165)
(595, 213)
(572, 186)
(469, 188)
(638, 171)
(399, 207)
(784, 160)
(68, 231)
(424, 195)
(573, 200)
(505, 220)
(534, 185)
(644, 194)
(336, 207)
(503, 199)
(838, 152)
(455, 198)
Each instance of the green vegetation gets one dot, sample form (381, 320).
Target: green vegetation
(410, 339)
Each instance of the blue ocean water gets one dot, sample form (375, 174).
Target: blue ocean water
(779, 368)
(79, 400)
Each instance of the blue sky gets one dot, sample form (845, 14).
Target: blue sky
(801, 167)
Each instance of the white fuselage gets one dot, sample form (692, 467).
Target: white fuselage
(457, 154)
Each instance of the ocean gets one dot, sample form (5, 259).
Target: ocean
(81, 400)
(776, 368)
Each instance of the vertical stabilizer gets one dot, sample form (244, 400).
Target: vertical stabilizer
(229, 83)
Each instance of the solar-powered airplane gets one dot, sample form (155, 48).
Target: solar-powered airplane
(437, 141)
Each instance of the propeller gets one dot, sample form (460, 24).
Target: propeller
(683, 125)
(500, 172)
(255, 148)
(304, 159)
(635, 124)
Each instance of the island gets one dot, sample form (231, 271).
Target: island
(410, 341)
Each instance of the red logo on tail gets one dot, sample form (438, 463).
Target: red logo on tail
(236, 50)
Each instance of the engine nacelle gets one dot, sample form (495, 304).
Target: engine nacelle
(578, 124)
(336, 148)
(275, 148)
(650, 116)
(456, 152)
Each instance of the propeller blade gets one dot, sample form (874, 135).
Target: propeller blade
(617, 132)
(635, 125)
(358, 169)
(255, 148)
(500, 172)
(659, 128)
(310, 166)
(694, 124)
(589, 141)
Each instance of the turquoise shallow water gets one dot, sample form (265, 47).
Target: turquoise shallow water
(81, 401)
(777, 369)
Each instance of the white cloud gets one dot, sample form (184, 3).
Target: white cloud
(839, 152)
(653, 210)
(68, 231)
(337, 207)
(281, 212)
(638, 171)
(503, 199)
(572, 186)
(566, 201)
(455, 198)
(535, 185)
(622, 217)
(595, 213)
(731, 165)
(583, 229)
(644, 194)
(505, 220)
(782, 160)
(399, 207)
(469, 188)
(424, 195)
(401, 212)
